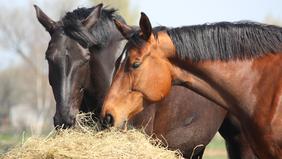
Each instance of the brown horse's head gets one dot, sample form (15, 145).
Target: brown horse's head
(68, 55)
(144, 76)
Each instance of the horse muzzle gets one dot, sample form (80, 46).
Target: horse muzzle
(64, 121)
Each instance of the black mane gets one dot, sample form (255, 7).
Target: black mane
(226, 40)
(137, 41)
(101, 31)
(220, 41)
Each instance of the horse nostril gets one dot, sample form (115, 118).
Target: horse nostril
(64, 122)
(109, 120)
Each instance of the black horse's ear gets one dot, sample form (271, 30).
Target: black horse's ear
(145, 26)
(93, 17)
(47, 22)
(124, 29)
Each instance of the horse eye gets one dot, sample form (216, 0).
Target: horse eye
(136, 65)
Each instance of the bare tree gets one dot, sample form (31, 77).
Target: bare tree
(269, 19)
(26, 82)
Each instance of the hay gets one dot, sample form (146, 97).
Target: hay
(84, 142)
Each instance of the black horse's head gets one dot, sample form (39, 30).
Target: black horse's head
(80, 55)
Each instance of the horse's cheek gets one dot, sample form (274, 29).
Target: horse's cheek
(159, 85)
(150, 89)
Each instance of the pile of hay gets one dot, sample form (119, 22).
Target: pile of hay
(86, 142)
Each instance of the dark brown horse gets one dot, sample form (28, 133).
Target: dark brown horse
(236, 65)
(80, 78)
(75, 87)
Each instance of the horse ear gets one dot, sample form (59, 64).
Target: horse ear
(47, 22)
(93, 17)
(145, 26)
(124, 29)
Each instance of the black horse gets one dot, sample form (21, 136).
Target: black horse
(75, 87)
(81, 55)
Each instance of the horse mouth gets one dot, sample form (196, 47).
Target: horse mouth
(124, 126)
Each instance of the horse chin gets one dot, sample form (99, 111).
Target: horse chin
(121, 124)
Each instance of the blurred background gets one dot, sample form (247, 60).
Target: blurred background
(26, 100)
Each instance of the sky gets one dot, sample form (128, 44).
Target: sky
(173, 13)
(188, 12)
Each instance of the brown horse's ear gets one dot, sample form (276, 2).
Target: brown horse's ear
(124, 29)
(93, 17)
(47, 22)
(145, 26)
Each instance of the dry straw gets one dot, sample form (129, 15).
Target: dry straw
(86, 142)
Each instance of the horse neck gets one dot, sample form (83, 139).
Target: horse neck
(182, 73)
(226, 83)
(235, 85)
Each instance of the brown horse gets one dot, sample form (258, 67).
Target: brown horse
(180, 115)
(236, 65)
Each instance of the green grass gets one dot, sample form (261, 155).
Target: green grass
(8, 140)
(217, 143)
(6, 137)
(216, 149)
